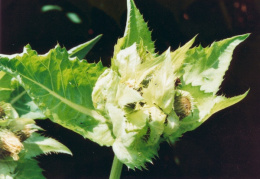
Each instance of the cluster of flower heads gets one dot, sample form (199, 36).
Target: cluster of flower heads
(143, 101)
(151, 98)
(13, 131)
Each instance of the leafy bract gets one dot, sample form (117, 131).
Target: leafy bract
(19, 144)
(136, 31)
(61, 87)
(160, 90)
(179, 55)
(151, 98)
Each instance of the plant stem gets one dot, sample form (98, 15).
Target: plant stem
(116, 169)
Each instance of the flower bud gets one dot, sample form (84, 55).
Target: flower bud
(183, 104)
(2, 113)
(10, 144)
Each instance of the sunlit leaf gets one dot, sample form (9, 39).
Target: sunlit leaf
(61, 87)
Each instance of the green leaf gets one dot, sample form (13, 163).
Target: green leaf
(7, 168)
(5, 86)
(12, 92)
(206, 67)
(24, 105)
(61, 87)
(28, 169)
(137, 155)
(37, 144)
(136, 30)
(22, 169)
(222, 102)
(208, 104)
(203, 101)
(179, 55)
(137, 141)
(19, 144)
(82, 50)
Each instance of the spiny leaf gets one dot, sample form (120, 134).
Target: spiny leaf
(208, 104)
(136, 30)
(62, 88)
(222, 102)
(13, 93)
(179, 55)
(28, 169)
(136, 155)
(37, 144)
(206, 67)
(82, 50)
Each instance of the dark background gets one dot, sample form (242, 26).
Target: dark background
(226, 146)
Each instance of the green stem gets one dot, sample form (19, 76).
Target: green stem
(116, 169)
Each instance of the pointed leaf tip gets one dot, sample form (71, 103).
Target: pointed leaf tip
(136, 30)
(222, 102)
(83, 49)
(206, 67)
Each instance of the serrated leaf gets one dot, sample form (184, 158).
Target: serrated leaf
(136, 28)
(137, 155)
(206, 67)
(179, 55)
(222, 102)
(28, 169)
(208, 104)
(82, 50)
(21, 169)
(136, 31)
(62, 88)
(37, 144)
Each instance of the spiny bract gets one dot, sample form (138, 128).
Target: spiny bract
(142, 99)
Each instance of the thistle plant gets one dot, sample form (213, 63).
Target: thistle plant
(142, 100)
